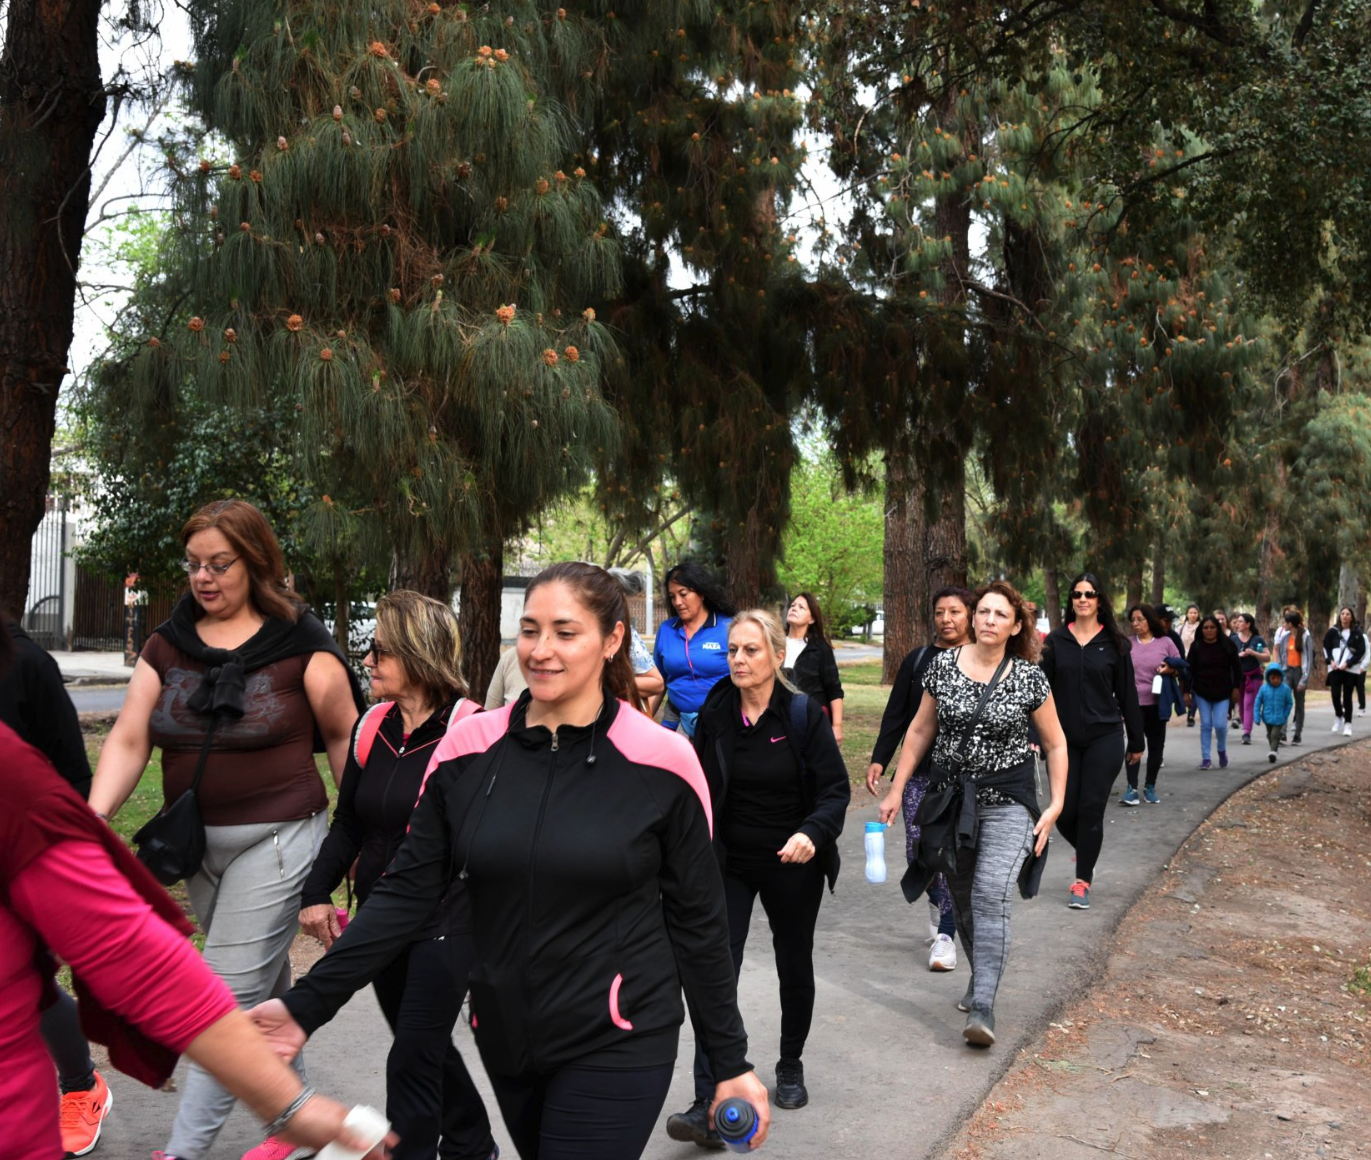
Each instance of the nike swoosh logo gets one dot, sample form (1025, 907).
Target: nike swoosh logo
(776, 739)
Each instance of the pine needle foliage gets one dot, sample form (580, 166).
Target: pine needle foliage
(403, 251)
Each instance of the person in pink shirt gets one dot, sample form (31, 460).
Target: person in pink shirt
(71, 890)
(1151, 647)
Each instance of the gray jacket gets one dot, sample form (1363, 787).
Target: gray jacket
(1306, 652)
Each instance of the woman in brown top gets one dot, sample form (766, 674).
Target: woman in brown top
(240, 638)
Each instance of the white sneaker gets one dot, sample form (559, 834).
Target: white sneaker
(943, 957)
(1361, 712)
(1337, 724)
(1347, 729)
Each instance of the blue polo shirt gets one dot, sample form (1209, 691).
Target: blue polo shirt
(692, 667)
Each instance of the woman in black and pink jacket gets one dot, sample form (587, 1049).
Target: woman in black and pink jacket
(582, 834)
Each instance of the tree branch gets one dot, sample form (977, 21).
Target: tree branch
(1305, 26)
(1208, 24)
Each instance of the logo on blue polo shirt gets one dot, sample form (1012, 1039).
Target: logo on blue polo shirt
(712, 644)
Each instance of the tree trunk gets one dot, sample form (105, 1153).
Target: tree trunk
(944, 541)
(1052, 593)
(1270, 557)
(482, 586)
(1133, 595)
(1159, 572)
(1349, 586)
(342, 609)
(429, 573)
(52, 101)
(905, 621)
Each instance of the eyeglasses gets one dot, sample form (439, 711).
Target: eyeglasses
(377, 651)
(190, 567)
(1085, 595)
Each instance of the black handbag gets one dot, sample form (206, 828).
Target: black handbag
(172, 844)
(936, 815)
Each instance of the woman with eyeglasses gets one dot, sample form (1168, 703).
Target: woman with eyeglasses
(242, 663)
(415, 667)
(1088, 665)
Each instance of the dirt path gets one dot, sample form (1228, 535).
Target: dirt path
(1234, 1017)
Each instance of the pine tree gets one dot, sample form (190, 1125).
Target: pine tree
(403, 250)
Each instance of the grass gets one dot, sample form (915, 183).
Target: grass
(864, 700)
(1361, 981)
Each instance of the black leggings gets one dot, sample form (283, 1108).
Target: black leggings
(1090, 774)
(583, 1113)
(1154, 729)
(428, 1088)
(791, 893)
(1341, 684)
(67, 1045)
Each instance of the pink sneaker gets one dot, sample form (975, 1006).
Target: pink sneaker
(275, 1149)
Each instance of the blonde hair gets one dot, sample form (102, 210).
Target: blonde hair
(422, 634)
(772, 633)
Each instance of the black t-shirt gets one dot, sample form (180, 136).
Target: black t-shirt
(764, 806)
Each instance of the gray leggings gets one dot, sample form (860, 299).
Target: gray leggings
(982, 885)
(247, 898)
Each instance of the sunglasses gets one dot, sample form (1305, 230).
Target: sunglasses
(377, 651)
(1085, 594)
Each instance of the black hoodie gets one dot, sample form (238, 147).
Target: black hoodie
(594, 895)
(1092, 687)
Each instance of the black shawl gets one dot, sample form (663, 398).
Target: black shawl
(226, 671)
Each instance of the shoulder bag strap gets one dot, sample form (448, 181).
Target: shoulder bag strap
(366, 732)
(959, 754)
(204, 752)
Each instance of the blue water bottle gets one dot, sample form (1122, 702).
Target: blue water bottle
(736, 1122)
(875, 851)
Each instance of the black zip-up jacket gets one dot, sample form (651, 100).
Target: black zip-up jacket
(34, 703)
(594, 895)
(1214, 670)
(1332, 645)
(902, 707)
(824, 785)
(372, 816)
(1092, 687)
(816, 672)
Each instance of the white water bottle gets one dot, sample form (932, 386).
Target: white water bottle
(875, 851)
(362, 1121)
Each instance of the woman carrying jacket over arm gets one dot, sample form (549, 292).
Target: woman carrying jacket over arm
(582, 832)
(780, 793)
(1088, 665)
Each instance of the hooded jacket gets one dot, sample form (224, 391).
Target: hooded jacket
(1278, 651)
(824, 785)
(1274, 703)
(1093, 687)
(1333, 647)
(594, 895)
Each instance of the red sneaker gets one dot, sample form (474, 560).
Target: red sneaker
(82, 1115)
(274, 1148)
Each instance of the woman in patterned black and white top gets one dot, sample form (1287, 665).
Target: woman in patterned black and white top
(998, 760)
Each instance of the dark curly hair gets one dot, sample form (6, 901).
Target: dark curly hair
(700, 580)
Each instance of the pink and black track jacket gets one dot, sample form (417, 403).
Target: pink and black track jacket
(595, 895)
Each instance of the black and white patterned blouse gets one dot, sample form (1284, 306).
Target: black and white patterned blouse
(1000, 739)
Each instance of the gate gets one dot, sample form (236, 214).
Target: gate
(42, 618)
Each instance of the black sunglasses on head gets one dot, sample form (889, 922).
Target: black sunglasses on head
(1085, 595)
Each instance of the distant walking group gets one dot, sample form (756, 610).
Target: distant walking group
(585, 874)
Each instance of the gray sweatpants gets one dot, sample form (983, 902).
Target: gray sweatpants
(983, 884)
(247, 898)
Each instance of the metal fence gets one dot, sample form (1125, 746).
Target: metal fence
(98, 618)
(43, 616)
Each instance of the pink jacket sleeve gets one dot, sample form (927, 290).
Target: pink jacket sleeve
(131, 960)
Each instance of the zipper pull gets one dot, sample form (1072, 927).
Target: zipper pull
(554, 741)
(400, 752)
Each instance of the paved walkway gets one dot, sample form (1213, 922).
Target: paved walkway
(91, 668)
(888, 1073)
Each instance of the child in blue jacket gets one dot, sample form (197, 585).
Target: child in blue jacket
(1275, 702)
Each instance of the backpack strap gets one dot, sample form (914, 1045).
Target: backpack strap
(367, 729)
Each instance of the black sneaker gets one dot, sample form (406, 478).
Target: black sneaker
(980, 1029)
(692, 1126)
(790, 1084)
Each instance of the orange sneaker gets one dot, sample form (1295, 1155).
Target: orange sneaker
(83, 1113)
